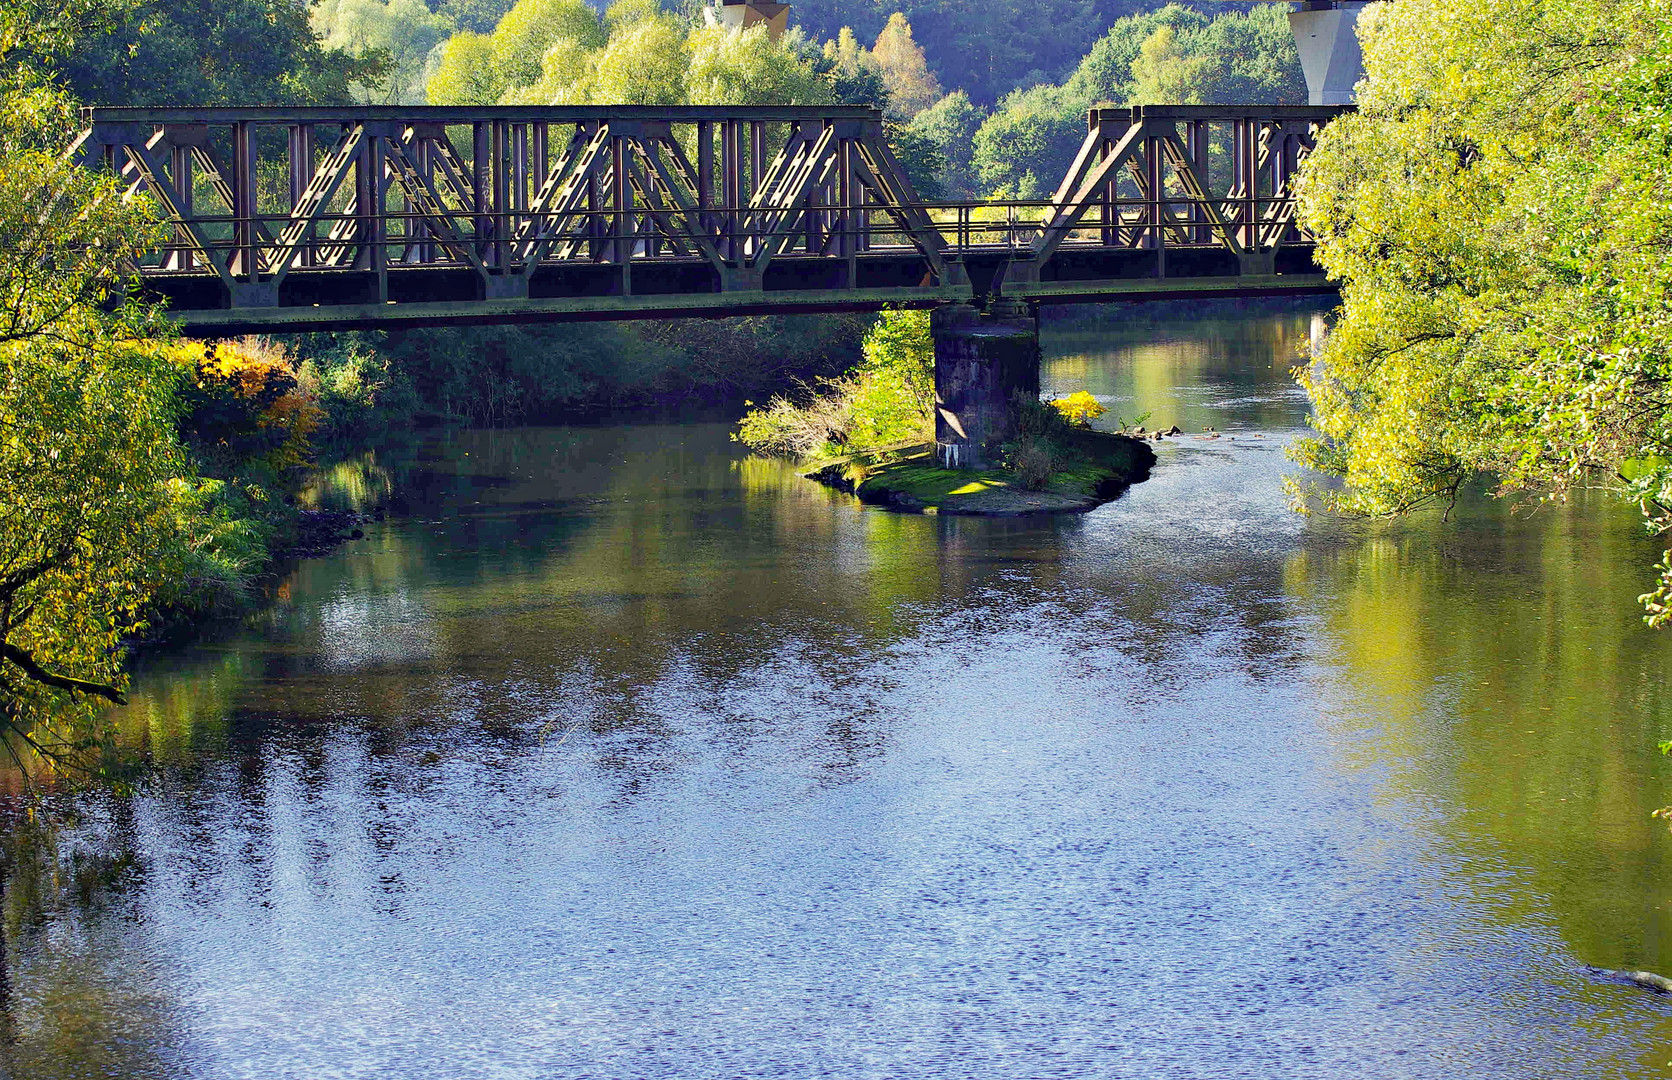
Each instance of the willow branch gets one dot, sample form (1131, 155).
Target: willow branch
(24, 660)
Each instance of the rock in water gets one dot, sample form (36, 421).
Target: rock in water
(1648, 980)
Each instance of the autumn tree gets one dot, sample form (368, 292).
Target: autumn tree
(905, 74)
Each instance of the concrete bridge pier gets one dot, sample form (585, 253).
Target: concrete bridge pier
(982, 360)
(1326, 32)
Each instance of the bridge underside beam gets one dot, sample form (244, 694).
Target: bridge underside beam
(232, 321)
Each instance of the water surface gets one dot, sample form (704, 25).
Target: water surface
(614, 752)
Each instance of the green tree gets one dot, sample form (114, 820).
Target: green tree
(533, 26)
(886, 400)
(1105, 73)
(404, 31)
(749, 68)
(477, 16)
(88, 516)
(1256, 59)
(1173, 55)
(1028, 142)
(211, 52)
(624, 13)
(1496, 213)
(1164, 74)
(950, 125)
(643, 64)
(466, 73)
(568, 72)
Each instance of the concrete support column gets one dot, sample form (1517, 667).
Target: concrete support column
(982, 360)
(1326, 32)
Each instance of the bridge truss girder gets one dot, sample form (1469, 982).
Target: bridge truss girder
(1145, 176)
(294, 218)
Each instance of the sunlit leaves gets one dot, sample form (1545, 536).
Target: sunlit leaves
(1497, 213)
(87, 445)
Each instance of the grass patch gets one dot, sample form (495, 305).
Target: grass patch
(910, 479)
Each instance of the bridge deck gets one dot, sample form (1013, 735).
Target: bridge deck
(322, 218)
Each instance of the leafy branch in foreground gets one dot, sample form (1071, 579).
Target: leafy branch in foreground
(87, 440)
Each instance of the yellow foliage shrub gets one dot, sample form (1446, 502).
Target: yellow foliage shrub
(246, 401)
(1079, 408)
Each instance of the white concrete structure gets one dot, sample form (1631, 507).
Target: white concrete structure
(741, 14)
(1327, 34)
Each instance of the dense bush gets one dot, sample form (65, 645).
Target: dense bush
(887, 400)
(378, 381)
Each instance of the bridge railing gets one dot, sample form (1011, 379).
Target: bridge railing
(270, 206)
(1007, 225)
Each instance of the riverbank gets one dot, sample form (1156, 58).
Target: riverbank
(912, 481)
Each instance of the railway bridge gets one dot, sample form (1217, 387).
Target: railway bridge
(299, 219)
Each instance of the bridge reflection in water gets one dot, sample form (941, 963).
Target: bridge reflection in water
(301, 219)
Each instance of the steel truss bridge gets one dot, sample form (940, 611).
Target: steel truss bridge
(325, 218)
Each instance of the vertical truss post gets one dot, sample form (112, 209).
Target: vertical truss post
(757, 155)
(180, 169)
(540, 149)
(499, 153)
(300, 153)
(481, 179)
(759, 164)
(365, 196)
(1196, 141)
(622, 197)
(731, 181)
(373, 225)
(1245, 160)
(244, 201)
(847, 243)
(519, 169)
(705, 175)
(1156, 205)
(1108, 196)
(542, 159)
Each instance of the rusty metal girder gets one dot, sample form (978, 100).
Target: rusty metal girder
(650, 200)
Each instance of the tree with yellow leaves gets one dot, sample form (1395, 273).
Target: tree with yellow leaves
(911, 87)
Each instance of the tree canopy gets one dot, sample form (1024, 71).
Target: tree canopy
(402, 32)
(88, 452)
(1496, 213)
(210, 52)
(1173, 55)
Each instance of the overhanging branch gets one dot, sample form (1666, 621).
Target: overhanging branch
(27, 663)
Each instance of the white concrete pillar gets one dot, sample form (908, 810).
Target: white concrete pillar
(1327, 34)
(742, 14)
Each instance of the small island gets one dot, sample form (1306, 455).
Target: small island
(1096, 468)
(951, 423)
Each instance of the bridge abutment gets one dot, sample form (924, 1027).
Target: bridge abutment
(982, 360)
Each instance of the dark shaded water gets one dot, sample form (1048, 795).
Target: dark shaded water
(614, 753)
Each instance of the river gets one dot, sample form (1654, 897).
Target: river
(613, 752)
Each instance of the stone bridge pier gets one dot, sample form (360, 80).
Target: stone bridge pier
(983, 360)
